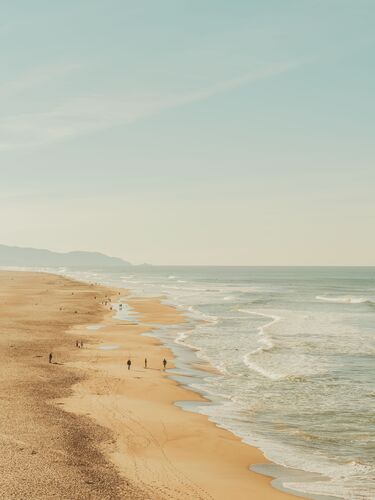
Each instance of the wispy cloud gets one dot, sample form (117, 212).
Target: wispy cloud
(35, 78)
(265, 72)
(85, 115)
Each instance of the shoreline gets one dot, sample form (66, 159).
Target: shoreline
(130, 417)
(148, 312)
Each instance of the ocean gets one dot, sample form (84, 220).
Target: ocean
(294, 351)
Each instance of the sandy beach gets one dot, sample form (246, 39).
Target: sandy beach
(87, 427)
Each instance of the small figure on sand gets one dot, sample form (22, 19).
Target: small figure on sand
(50, 357)
(145, 362)
(77, 343)
(81, 345)
(164, 363)
(129, 363)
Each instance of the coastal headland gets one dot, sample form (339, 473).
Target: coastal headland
(86, 426)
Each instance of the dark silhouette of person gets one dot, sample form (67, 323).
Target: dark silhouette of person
(164, 363)
(145, 362)
(129, 363)
(50, 357)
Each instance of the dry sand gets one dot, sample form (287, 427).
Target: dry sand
(87, 427)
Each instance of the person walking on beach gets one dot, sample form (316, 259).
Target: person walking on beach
(164, 363)
(50, 357)
(129, 363)
(145, 362)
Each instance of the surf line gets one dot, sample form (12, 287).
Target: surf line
(262, 338)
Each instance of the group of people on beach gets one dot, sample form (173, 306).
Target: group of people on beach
(129, 363)
(79, 344)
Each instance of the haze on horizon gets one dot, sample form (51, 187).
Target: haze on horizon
(190, 132)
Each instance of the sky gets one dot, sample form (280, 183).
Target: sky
(194, 132)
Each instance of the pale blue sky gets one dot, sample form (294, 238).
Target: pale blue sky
(190, 132)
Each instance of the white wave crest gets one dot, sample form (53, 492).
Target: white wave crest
(346, 299)
(199, 315)
(266, 344)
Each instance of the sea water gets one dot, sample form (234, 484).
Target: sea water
(294, 349)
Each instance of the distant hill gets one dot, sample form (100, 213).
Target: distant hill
(33, 257)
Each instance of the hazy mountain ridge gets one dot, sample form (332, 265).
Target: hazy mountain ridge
(35, 257)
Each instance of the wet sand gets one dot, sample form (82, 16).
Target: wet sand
(91, 426)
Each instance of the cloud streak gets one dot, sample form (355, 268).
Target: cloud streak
(85, 115)
(35, 78)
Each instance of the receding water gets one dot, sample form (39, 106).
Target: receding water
(94, 327)
(108, 347)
